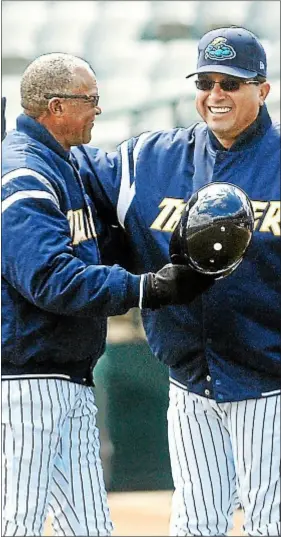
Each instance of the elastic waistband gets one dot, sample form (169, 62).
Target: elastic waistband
(77, 380)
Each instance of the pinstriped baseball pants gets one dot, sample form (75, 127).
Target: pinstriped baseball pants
(50, 459)
(215, 447)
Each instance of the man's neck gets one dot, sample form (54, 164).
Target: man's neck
(243, 138)
(54, 131)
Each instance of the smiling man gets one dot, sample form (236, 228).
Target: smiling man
(223, 350)
(227, 111)
(232, 86)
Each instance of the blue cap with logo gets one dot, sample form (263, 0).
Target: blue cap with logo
(232, 51)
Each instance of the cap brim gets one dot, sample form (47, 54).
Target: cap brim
(226, 70)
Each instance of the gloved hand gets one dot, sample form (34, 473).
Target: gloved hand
(173, 285)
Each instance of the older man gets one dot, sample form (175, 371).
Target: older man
(56, 297)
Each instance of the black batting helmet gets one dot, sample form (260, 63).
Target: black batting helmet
(214, 231)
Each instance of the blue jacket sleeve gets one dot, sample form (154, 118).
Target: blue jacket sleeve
(102, 174)
(38, 259)
(112, 176)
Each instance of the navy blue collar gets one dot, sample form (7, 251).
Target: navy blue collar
(249, 136)
(38, 132)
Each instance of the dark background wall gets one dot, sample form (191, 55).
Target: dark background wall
(132, 395)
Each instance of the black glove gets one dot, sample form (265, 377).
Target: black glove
(173, 285)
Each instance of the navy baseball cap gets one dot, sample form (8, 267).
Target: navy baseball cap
(232, 51)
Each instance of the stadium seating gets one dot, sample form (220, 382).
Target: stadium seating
(213, 14)
(11, 90)
(264, 19)
(140, 50)
(65, 28)
(21, 24)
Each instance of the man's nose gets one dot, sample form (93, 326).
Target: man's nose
(98, 110)
(217, 90)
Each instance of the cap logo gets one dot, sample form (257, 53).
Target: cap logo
(218, 50)
(262, 66)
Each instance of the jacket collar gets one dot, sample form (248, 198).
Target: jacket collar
(38, 132)
(249, 136)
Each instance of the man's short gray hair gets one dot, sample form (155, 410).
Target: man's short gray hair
(49, 73)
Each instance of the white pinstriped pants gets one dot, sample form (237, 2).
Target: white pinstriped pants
(214, 446)
(50, 459)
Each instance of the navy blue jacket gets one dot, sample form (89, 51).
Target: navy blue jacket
(56, 295)
(226, 344)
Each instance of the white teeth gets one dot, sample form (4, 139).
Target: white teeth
(222, 110)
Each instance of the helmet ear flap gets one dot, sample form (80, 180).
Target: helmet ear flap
(177, 247)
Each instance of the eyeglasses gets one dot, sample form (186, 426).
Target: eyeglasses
(228, 84)
(93, 99)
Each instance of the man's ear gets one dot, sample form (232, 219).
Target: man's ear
(55, 106)
(264, 91)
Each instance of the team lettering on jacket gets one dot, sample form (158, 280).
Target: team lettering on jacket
(266, 213)
(82, 227)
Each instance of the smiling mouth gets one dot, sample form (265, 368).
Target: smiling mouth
(219, 109)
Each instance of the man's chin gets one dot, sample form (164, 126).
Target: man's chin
(86, 138)
(220, 128)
